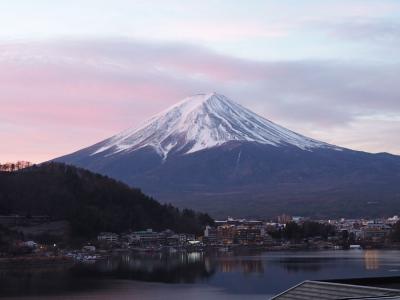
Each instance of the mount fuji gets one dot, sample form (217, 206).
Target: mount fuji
(212, 154)
(202, 122)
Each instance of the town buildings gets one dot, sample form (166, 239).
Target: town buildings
(147, 239)
(237, 232)
(375, 233)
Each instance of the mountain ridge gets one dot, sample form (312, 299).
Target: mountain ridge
(269, 171)
(201, 122)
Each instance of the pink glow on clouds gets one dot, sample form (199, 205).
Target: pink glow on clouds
(59, 97)
(41, 104)
(42, 87)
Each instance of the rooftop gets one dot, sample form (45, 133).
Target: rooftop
(311, 290)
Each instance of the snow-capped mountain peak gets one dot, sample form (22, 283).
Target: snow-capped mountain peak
(204, 121)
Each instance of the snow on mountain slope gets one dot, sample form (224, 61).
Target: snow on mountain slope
(204, 121)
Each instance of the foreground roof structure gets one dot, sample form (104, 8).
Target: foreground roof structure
(319, 290)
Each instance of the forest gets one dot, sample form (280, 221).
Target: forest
(90, 202)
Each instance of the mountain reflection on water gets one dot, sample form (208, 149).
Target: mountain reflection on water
(208, 275)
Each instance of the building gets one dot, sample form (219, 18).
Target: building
(108, 237)
(210, 235)
(162, 238)
(283, 219)
(375, 231)
(237, 232)
(226, 234)
(250, 235)
(146, 237)
(185, 238)
(173, 241)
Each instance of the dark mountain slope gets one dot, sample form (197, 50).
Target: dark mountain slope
(90, 202)
(250, 179)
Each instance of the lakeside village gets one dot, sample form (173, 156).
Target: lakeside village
(284, 233)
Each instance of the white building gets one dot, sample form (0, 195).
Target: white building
(108, 237)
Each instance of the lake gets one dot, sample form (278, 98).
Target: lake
(194, 275)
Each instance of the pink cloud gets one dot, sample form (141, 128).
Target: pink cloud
(58, 97)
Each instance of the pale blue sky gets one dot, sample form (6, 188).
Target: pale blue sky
(252, 29)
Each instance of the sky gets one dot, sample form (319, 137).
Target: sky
(73, 73)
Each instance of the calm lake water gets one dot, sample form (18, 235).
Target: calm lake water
(195, 275)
